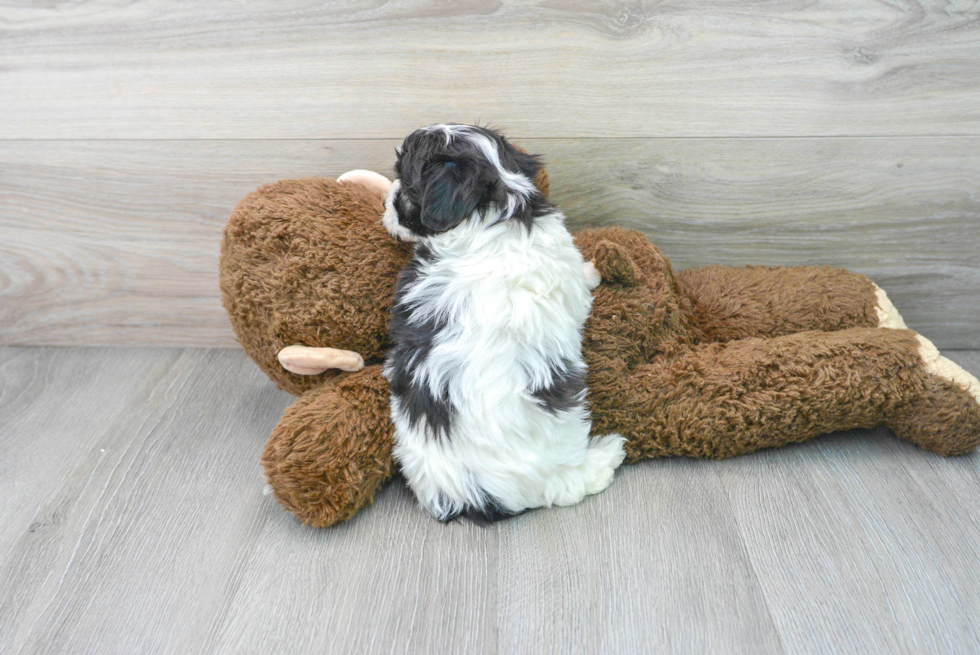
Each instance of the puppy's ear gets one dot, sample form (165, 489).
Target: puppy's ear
(533, 168)
(450, 196)
(529, 165)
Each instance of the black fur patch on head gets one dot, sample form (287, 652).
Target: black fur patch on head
(410, 215)
(445, 178)
(413, 342)
(564, 391)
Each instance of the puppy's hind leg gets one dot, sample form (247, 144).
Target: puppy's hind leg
(604, 456)
(592, 276)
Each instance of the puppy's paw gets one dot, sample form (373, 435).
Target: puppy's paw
(888, 316)
(592, 277)
(605, 454)
(608, 450)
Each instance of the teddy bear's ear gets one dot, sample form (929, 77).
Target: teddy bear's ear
(615, 264)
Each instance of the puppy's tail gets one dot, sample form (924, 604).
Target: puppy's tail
(487, 511)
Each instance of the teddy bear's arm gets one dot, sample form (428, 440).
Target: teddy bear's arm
(725, 399)
(736, 303)
(331, 449)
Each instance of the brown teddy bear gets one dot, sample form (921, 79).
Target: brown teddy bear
(710, 362)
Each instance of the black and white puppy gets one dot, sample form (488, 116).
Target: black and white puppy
(486, 369)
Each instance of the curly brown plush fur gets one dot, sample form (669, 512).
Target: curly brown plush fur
(302, 263)
(713, 362)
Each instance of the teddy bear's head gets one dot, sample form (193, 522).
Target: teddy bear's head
(308, 262)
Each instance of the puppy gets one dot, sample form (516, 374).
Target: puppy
(486, 369)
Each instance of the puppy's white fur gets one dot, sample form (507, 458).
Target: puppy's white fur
(515, 302)
(390, 217)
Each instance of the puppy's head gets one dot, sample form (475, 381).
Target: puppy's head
(449, 174)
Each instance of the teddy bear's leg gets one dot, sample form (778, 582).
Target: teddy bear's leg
(737, 303)
(724, 399)
(331, 449)
(931, 414)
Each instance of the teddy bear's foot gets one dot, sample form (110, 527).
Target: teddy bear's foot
(945, 368)
(888, 316)
(943, 416)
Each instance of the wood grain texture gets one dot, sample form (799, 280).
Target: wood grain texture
(133, 520)
(143, 521)
(117, 242)
(642, 569)
(579, 68)
(859, 507)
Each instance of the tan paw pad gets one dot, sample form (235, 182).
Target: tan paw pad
(888, 316)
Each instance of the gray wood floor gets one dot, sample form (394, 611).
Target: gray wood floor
(133, 520)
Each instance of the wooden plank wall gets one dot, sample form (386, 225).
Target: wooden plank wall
(845, 133)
